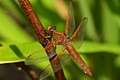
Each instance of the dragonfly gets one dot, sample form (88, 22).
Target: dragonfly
(66, 39)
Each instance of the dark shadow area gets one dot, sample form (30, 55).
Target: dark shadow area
(10, 72)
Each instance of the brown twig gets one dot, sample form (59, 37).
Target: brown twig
(42, 35)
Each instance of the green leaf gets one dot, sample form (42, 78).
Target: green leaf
(18, 53)
(89, 47)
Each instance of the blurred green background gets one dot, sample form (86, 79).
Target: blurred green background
(100, 49)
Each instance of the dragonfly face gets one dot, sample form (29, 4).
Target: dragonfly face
(51, 29)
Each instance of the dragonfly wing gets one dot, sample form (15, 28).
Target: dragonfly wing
(77, 37)
(64, 58)
(37, 57)
(70, 22)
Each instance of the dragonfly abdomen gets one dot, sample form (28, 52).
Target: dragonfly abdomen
(77, 58)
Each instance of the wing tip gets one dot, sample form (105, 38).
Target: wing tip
(85, 18)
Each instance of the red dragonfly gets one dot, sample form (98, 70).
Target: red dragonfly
(65, 39)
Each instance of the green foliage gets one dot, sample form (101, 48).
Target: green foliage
(101, 50)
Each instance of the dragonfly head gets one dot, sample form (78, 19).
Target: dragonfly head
(51, 29)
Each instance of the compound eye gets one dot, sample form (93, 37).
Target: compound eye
(51, 29)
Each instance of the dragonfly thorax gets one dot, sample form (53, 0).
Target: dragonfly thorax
(59, 38)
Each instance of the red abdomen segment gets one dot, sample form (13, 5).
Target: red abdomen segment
(78, 59)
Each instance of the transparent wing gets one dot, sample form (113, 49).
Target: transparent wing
(70, 22)
(77, 38)
(64, 58)
(37, 57)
